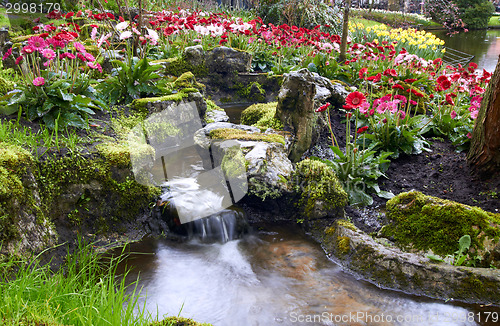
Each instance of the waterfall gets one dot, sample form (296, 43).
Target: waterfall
(184, 196)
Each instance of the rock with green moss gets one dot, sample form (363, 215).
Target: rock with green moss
(24, 227)
(178, 321)
(262, 116)
(320, 192)
(186, 96)
(388, 266)
(188, 80)
(429, 223)
(215, 113)
(192, 60)
(265, 154)
(228, 133)
(253, 92)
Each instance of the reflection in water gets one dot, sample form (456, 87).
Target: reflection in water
(483, 44)
(273, 278)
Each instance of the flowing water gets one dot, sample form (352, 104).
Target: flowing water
(275, 277)
(272, 276)
(483, 44)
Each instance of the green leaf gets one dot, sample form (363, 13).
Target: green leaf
(359, 198)
(385, 194)
(65, 96)
(45, 108)
(460, 261)
(464, 243)
(435, 258)
(337, 151)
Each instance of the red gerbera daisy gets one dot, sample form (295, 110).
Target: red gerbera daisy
(355, 99)
(444, 82)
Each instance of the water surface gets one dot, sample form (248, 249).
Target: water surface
(483, 44)
(275, 277)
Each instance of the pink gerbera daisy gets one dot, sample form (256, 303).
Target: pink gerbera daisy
(37, 43)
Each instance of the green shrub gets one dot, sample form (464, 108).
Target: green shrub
(475, 13)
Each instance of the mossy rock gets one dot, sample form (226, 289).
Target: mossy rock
(229, 133)
(178, 321)
(262, 115)
(424, 222)
(254, 92)
(141, 103)
(117, 154)
(5, 86)
(188, 80)
(14, 158)
(211, 106)
(319, 188)
(178, 66)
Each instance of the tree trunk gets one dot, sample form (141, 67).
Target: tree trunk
(393, 5)
(484, 153)
(345, 31)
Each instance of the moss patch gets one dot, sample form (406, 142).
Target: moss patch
(14, 162)
(178, 321)
(211, 106)
(262, 115)
(188, 80)
(316, 182)
(112, 192)
(178, 66)
(140, 103)
(228, 133)
(424, 222)
(253, 91)
(117, 154)
(343, 245)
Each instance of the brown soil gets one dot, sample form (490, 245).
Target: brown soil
(442, 172)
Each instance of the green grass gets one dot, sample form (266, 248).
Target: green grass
(85, 291)
(494, 21)
(365, 22)
(4, 20)
(13, 133)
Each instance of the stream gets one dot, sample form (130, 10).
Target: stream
(272, 275)
(276, 276)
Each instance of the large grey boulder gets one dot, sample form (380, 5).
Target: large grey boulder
(226, 60)
(301, 93)
(267, 162)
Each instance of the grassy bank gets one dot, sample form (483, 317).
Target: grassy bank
(86, 290)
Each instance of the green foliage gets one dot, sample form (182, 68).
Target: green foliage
(392, 18)
(316, 182)
(301, 13)
(326, 65)
(424, 222)
(358, 171)
(130, 81)
(61, 103)
(397, 135)
(475, 13)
